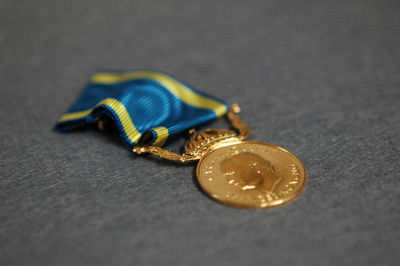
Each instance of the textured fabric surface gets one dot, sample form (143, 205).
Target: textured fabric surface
(320, 78)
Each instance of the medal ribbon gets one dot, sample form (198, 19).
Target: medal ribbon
(141, 102)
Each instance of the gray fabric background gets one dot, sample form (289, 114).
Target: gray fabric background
(320, 78)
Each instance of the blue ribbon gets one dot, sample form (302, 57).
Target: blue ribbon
(142, 102)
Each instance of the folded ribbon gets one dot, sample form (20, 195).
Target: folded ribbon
(142, 102)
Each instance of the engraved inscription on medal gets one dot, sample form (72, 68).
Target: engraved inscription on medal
(292, 184)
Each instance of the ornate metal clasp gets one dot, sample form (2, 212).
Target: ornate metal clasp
(201, 142)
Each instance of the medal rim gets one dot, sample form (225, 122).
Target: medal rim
(235, 141)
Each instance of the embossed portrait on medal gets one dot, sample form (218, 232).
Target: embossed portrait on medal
(251, 174)
(249, 171)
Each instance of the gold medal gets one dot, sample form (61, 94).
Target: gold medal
(251, 174)
(245, 174)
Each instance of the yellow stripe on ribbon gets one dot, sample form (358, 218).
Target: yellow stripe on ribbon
(123, 115)
(162, 135)
(175, 87)
(75, 115)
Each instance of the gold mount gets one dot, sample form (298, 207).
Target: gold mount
(200, 142)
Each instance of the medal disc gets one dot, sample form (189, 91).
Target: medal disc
(250, 174)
